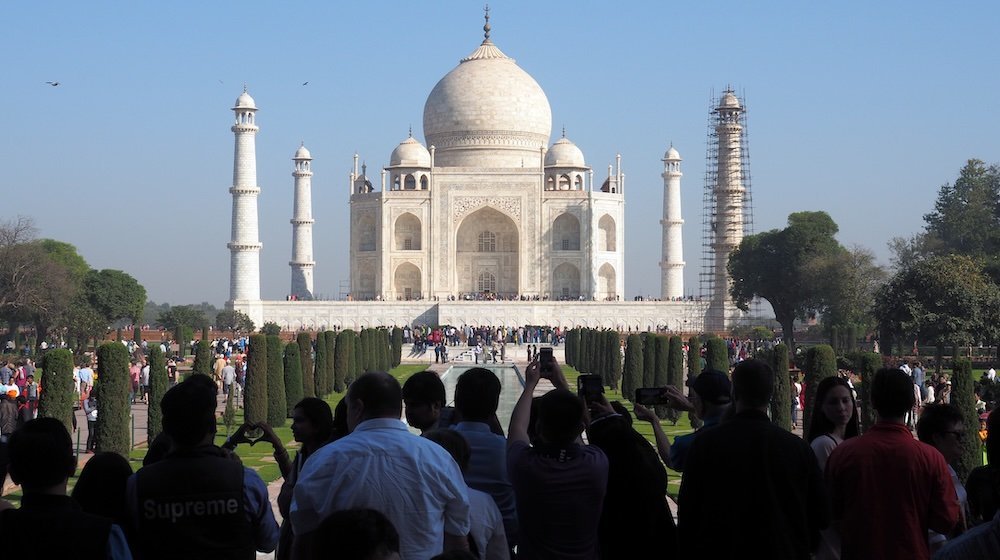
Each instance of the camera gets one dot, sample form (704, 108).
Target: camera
(546, 361)
(651, 396)
(589, 386)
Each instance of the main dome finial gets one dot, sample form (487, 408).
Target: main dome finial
(486, 28)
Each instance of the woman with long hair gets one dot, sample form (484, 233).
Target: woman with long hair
(834, 419)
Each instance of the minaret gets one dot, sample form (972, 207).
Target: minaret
(302, 262)
(729, 193)
(672, 265)
(244, 269)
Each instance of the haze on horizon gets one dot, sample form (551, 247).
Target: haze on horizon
(860, 109)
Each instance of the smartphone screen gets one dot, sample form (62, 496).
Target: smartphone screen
(589, 386)
(649, 396)
(545, 359)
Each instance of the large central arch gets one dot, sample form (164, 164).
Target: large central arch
(487, 242)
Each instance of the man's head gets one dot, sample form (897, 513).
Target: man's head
(452, 442)
(711, 392)
(477, 395)
(561, 417)
(941, 426)
(375, 394)
(189, 411)
(753, 383)
(41, 455)
(423, 394)
(892, 393)
(356, 533)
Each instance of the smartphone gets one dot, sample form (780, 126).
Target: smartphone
(546, 361)
(650, 396)
(589, 386)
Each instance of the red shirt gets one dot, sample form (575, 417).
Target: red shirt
(887, 489)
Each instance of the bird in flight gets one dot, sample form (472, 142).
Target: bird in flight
(53, 84)
(305, 83)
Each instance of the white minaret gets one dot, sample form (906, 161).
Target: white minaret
(302, 262)
(244, 270)
(729, 194)
(672, 265)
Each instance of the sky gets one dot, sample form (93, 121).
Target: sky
(861, 109)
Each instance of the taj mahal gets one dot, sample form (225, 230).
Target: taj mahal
(489, 222)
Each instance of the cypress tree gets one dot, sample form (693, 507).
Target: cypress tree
(304, 344)
(357, 357)
(963, 396)
(581, 360)
(342, 357)
(868, 364)
(366, 351)
(293, 377)
(821, 362)
(835, 338)
(319, 366)
(137, 334)
(277, 406)
(852, 338)
(57, 397)
(229, 414)
(648, 360)
(158, 384)
(632, 378)
(179, 338)
(694, 358)
(614, 346)
(203, 358)
(717, 354)
(662, 356)
(331, 365)
(381, 364)
(255, 391)
(572, 347)
(675, 362)
(781, 400)
(113, 387)
(397, 346)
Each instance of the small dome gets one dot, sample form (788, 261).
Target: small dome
(564, 154)
(302, 153)
(729, 101)
(672, 154)
(410, 153)
(244, 101)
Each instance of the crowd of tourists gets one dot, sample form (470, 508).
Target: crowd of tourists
(363, 486)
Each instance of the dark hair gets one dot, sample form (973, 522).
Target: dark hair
(753, 383)
(424, 387)
(355, 534)
(100, 490)
(892, 392)
(477, 394)
(936, 419)
(819, 424)
(453, 442)
(41, 454)
(318, 413)
(993, 437)
(188, 410)
(380, 394)
(560, 416)
(158, 449)
(339, 428)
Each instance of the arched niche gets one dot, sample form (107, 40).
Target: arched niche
(606, 282)
(487, 241)
(566, 233)
(406, 281)
(606, 236)
(407, 233)
(566, 282)
(366, 232)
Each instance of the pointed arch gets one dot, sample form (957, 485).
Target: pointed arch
(606, 234)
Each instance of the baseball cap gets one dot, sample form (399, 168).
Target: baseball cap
(713, 387)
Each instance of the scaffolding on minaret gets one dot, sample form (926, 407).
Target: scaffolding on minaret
(718, 226)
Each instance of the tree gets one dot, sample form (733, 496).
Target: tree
(820, 363)
(963, 396)
(271, 328)
(852, 281)
(939, 300)
(255, 391)
(632, 378)
(113, 388)
(648, 360)
(234, 321)
(57, 398)
(182, 316)
(158, 384)
(781, 399)
(342, 356)
(304, 345)
(662, 358)
(965, 219)
(331, 365)
(203, 357)
(614, 354)
(397, 346)
(277, 404)
(693, 358)
(868, 364)
(319, 366)
(777, 266)
(115, 295)
(717, 354)
(293, 377)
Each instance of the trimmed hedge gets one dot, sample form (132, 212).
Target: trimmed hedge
(57, 397)
(397, 346)
(781, 400)
(632, 376)
(158, 384)
(304, 344)
(717, 355)
(319, 366)
(693, 357)
(868, 364)
(342, 356)
(613, 344)
(820, 363)
(331, 365)
(114, 408)
(277, 406)
(963, 396)
(571, 349)
(293, 377)
(203, 358)
(255, 391)
(648, 360)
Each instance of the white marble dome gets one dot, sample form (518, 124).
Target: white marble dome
(729, 101)
(302, 153)
(410, 153)
(564, 154)
(487, 112)
(672, 154)
(244, 101)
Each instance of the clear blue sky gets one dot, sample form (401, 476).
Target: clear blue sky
(861, 109)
